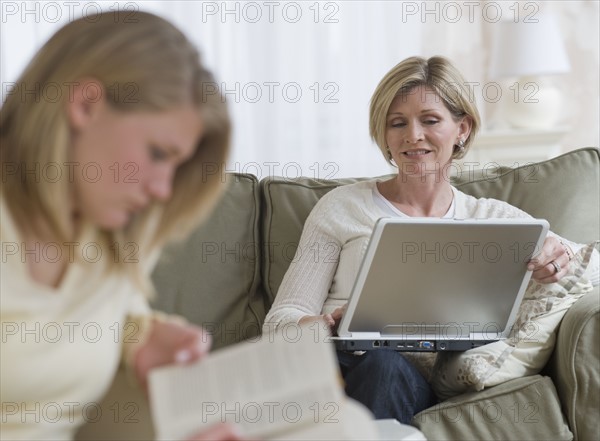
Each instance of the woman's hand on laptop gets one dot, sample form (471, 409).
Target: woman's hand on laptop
(552, 263)
(332, 320)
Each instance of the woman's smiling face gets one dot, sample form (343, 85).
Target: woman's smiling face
(421, 132)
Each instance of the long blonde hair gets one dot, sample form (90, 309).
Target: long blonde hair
(144, 63)
(437, 73)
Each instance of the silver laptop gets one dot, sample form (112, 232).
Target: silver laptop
(428, 284)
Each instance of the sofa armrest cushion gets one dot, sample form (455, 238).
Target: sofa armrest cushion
(575, 366)
(524, 409)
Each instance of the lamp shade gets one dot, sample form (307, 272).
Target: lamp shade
(528, 49)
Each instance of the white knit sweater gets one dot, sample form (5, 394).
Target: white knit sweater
(335, 238)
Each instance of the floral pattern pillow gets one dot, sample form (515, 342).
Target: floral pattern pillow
(529, 346)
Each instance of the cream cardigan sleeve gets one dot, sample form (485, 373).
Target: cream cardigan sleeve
(306, 283)
(333, 240)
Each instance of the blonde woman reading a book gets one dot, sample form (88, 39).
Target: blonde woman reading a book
(103, 141)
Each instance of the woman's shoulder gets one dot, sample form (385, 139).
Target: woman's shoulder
(352, 190)
(347, 196)
(346, 200)
(468, 206)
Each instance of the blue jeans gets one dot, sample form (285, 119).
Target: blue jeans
(387, 383)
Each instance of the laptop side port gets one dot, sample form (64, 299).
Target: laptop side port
(410, 345)
(400, 345)
(376, 344)
(386, 343)
(425, 345)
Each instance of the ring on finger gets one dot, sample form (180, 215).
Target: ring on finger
(556, 266)
(567, 251)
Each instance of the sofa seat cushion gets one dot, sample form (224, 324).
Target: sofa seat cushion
(211, 279)
(524, 409)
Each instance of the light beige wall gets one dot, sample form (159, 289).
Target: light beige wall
(468, 44)
(581, 87)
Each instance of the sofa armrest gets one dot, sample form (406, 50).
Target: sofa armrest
(575, 366)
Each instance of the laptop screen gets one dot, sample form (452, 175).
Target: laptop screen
(438, 276)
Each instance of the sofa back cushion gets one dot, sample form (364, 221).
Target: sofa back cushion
(286, 205)
(564, 190)
(212, 278)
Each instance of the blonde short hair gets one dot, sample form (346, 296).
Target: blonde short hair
(144, 63)
(436, 73)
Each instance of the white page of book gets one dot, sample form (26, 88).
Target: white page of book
(273, 387)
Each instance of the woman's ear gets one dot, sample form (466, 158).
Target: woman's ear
(464, 128)
(85, 101)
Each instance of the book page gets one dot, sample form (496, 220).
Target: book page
(268, 387)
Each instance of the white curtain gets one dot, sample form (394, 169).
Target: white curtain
(298, 76)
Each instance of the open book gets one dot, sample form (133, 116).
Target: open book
(283, 386)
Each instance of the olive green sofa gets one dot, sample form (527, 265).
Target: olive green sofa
(226, 275)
